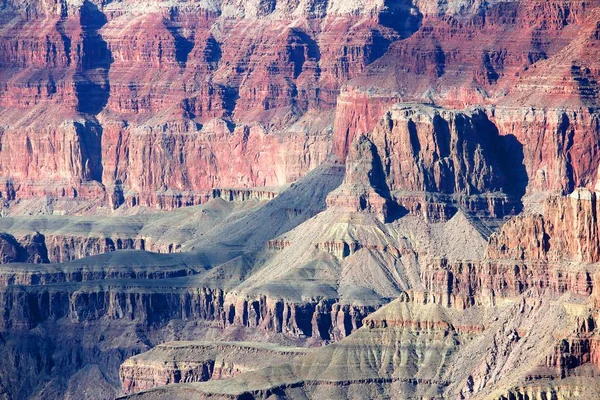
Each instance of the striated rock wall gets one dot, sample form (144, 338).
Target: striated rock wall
(559, 145)
(566, 231)
(184, 362)
(409, 349)
(167, 105)
(492, 310)
(326, 320)
(154, 99)
(466, 284)
(25, 308)
(144, 103)
(55, 248)
(529, 65)
(67, 248)
(554, 251)
(432, 161)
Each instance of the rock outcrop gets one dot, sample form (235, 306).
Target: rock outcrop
(146, 104)
(409, 186)
(434, 162)
(566, 231)
(411, 348)
(86, 299)
(184, 362)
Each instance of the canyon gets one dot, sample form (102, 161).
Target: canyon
(299, 199)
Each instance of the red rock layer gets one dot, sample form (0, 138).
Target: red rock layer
(465, 284)
(148, 108)
(430, 162)
(554, 252)
(567, 231)
(156, 105)
(530, 63)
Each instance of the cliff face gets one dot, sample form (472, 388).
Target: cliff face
(38, 248)
(185, 362)
(89, 89)
(410, 185)
(89, 302)
(130, 317)
(528, 64)
(152, 105)
(459, 157)
(566, 231)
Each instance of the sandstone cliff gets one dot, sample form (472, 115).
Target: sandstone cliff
(144, 103)
(410, 185)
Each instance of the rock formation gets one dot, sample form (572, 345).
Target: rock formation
(184, 362)
(299, 199)
(116, 115)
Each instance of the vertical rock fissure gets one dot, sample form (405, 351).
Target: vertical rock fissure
(91, 79)
(401, 16)
(92, 88)
(183, 45)
(60, 28)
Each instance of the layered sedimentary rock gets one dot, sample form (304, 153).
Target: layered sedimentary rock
(260, 81)
(529, 64)
(453, 304)
(130, 316)
(83, 293)
(553, 251)
(184, 362)
(147, 108)
(413, 349)
(566, 231)
(426, 126)
(432, 162)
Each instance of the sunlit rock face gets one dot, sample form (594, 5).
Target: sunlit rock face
(153, 99)
(88, 89)
(299, 199)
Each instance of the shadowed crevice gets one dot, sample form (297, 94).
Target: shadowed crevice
(212, 51)
(508, 157)
(90, 137)
(92, 88)
(60, 28)
(302, 48)
(231, 94)
(91, 79)
(183, 45)
(401, 16)
(566, 133)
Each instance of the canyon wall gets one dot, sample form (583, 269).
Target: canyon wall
(321, 320)
(147, 104)
(184, 362)
(105, 321)
(411, 182)
(528, 65)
